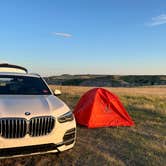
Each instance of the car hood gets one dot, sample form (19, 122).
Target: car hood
(18, 105)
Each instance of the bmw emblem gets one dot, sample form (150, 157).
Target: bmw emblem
(27, 113)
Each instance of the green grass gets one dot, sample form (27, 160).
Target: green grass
(143, 144)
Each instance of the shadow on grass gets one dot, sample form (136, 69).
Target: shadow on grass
(137, 145)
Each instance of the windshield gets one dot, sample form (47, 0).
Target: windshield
(22, 85)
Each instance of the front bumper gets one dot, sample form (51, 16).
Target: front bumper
(61, 138)
(35, 149)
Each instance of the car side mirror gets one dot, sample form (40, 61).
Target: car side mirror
(57, 92)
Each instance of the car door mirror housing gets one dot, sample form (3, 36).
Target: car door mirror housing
(57, 92)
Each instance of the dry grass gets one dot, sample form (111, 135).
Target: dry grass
(143, 144)
(151, 90)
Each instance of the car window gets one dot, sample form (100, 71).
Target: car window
(22, 85)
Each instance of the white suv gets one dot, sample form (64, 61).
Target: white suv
(32, 119)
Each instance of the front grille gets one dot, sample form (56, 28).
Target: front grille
(19, 127)
(13, 127)
(41, 125)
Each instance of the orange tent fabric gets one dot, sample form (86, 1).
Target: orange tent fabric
(101, 108)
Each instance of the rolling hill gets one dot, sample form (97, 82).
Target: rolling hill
(107, 80)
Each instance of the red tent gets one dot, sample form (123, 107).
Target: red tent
(100, 108)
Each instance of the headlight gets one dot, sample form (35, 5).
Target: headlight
(66, 117)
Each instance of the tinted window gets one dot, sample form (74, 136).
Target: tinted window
(22, 85)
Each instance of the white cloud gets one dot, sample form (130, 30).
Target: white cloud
(62, 34)
(158, 20)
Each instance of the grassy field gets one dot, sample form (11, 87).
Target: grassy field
(143, 144)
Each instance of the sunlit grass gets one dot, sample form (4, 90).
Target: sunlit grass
(143, 144)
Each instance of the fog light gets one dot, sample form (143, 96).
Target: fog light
(69, 136)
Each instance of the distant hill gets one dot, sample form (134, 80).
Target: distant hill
(107, 80)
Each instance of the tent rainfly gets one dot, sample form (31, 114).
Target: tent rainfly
(101, 108)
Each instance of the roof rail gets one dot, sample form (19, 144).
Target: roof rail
(5, 67)
(36, 74)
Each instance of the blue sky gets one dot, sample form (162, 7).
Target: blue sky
(84, 36)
